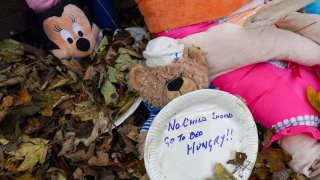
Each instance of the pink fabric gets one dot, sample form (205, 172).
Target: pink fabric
(275, 95)
(40, 6)
(187, 30)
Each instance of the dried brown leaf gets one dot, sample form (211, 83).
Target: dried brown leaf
(23, 98)
(123, 174)
(106, 145)
(58, 136)
(100, 126)
(67, 146)
(85, 111)
(59, 82)
(271, 160)
(239, 159)
(133, 136)
(74, 66)
(1, 158)
(52, 97)
(26, 177)
(11, 51)
(82, 155)
(33, 81)
(144, 177)
(32, 126)
(77, 173)
(9, 165)
(48, 110)
(7, 101)
(141, 140)
(102, 159)
(3, 113)
(268, 135)
(90, 73)
(3, 78)
(12, 81)
(124, 131)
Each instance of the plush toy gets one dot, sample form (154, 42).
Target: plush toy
(269, 66)
(62, 27)
(170, 70)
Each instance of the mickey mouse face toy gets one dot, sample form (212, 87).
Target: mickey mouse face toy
(64, 28)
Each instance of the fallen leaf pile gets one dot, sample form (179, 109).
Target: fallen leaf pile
(54, 113)
(272, 162)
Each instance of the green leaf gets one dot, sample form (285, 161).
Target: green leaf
(114, 75)
(10, 51)
(125, 102)
(103, 44)
(32, 151)
(130, 52)
(3, 141)
(124, 61)
(314, 98)
(86, 111)
(109, 92)
(221, 173)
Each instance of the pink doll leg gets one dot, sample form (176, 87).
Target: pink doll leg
(305, 152)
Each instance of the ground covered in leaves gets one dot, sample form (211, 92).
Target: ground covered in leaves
(54, 115)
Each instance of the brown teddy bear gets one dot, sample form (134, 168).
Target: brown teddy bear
(170, 70)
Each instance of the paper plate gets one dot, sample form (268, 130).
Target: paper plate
(197, 130)
(126, 114)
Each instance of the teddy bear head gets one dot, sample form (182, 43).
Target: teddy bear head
(158, 85)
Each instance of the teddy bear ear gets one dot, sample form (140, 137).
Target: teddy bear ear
(196, 53)
(136, 73)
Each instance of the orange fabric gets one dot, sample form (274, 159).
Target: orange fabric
(161, 15)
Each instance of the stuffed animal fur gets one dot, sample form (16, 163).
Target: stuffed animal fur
(62, 27)
(161, 84)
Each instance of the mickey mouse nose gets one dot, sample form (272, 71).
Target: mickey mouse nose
(83, 44)
(175, 84)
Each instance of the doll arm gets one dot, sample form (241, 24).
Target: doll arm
(307, 25)
(229, 47)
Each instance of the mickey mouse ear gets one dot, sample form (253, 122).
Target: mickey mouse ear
(40, 6)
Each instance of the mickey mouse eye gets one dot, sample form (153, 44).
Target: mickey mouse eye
(77, 29)
(66, 36)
